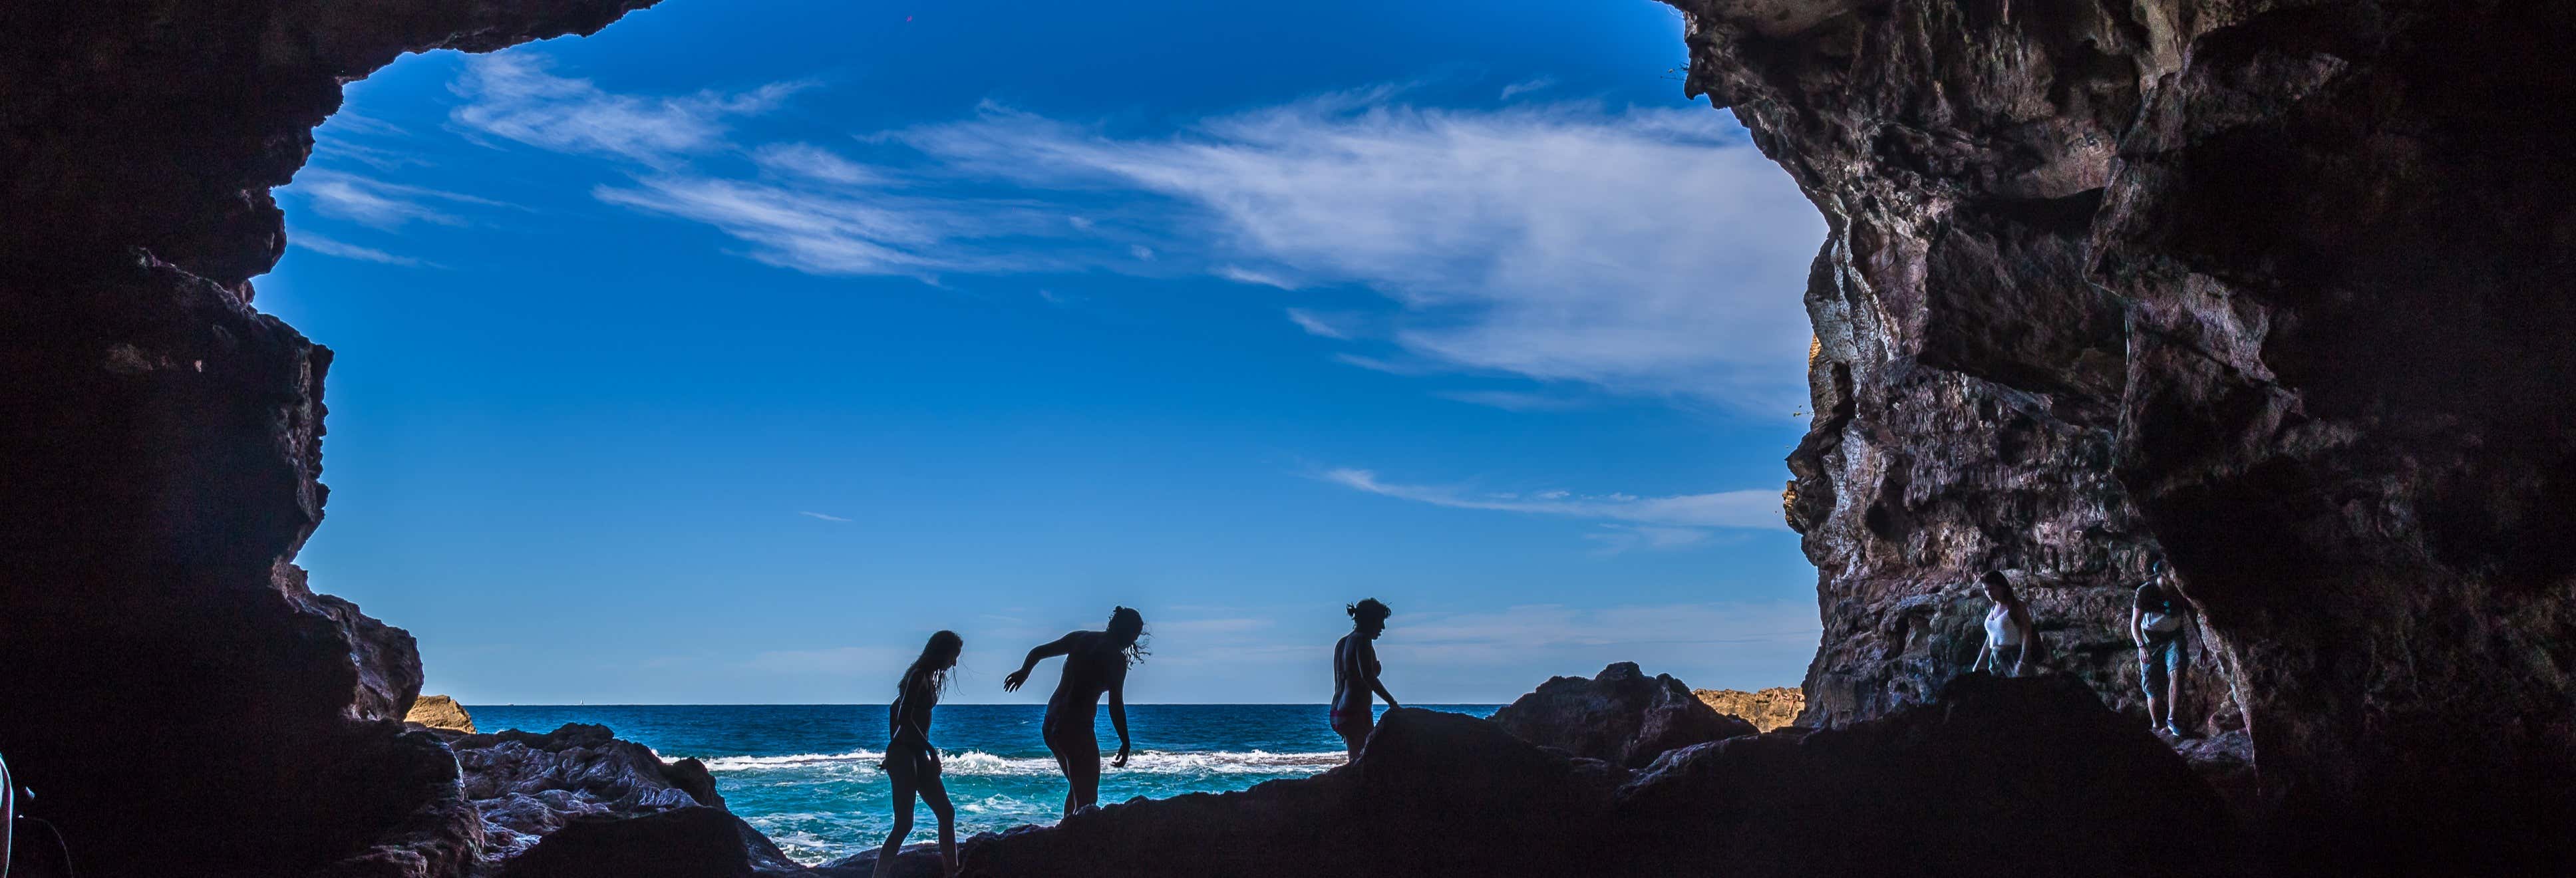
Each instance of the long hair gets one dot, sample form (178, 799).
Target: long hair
(1129, 625)
(1366, 611)
(931, 669)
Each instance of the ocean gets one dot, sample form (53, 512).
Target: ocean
(806, 774)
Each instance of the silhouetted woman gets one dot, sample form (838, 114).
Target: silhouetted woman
(1355, 674)
(1095, 662)
(2012, 639)
(911, 764)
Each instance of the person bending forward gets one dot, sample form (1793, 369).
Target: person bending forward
(1095, 663)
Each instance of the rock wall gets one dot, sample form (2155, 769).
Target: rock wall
(2275, 290)
(179, 698)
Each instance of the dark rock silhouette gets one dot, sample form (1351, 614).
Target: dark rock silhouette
(1620, 716)
(181, 700)
(439, 712)
(2275, 291)
(527, 786)
(688, 842)
(2031, 770)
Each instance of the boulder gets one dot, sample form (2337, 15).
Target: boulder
(685, 842)
(440, 712)
(1619, 716)
(528, 786)
(1767, 710)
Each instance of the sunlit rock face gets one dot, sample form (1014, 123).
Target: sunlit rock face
(180, 700)
(2275, 290)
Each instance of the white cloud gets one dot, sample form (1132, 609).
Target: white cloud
(813, 162)
(1314, 325)
(1643, 251)
(328, 247)
(1513, 400)
(1757, 509)
(822, 516)
(372, 202)
(1240, 274)
(511, 95)
(1527, 87)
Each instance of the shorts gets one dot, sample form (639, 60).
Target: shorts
(2159, 662)
(2003, 658)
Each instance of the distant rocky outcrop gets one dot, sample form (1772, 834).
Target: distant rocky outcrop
(529, 786)
(1620, 716)
(2077, 790)
(1767, 710)
(440, 712)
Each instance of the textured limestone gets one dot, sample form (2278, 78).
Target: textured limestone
(2275, 290)
(440, 712)
(1767, 710)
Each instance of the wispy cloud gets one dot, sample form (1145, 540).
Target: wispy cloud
(1525, 87)
(1642, 251)
(309, 241)
(1514, 400)
(1758, 510)
(512, 95)
(1315, 325)
(823, 516)
(843, 661)
(372, 202)
(1628, 632)
(1240, 274)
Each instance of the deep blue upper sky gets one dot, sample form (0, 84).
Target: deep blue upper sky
(722, 356)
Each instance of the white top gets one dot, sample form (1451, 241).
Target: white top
(2000, 629)
(2162, 623)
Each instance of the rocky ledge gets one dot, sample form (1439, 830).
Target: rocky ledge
(2033, 772)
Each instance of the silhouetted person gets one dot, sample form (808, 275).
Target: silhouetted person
(2156, 623)
(2012, 640)
(1095, 662)
(911, 764)
(1355, 674)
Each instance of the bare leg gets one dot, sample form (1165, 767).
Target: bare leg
(934, 793)
(1355, 734)
(1083, 769)
(902, 779)
(2173, 694)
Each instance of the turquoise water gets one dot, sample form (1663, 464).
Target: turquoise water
(807, 774)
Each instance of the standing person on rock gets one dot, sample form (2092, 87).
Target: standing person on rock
(1355, 674)
(2013, 647)
(1095, 662)
(2156, 622)
(911, 764)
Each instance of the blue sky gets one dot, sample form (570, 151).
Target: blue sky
(722, 356)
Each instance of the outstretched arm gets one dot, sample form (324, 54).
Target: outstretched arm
(1985, 650)
(1118, 717)
(1059, 646)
